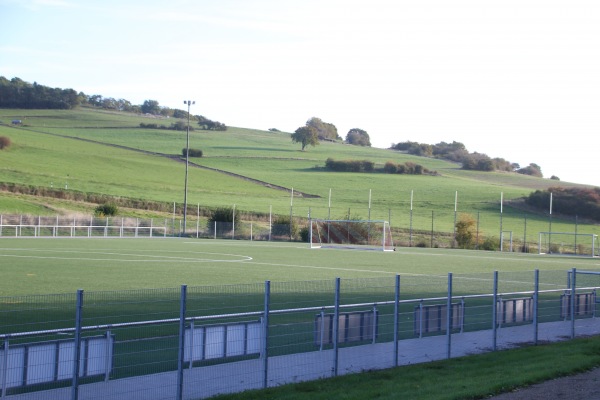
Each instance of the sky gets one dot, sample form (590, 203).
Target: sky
(516, 79)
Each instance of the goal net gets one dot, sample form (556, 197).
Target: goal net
(568, 243)
(352, 234)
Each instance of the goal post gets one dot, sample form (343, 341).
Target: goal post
(351, 234)
(568, 243)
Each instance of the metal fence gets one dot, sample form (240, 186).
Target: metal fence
(196, 342)
(516, 233)
(93, 227)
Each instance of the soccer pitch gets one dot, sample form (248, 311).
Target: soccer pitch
(52, 266)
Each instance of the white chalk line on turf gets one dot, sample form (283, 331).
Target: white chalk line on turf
(181, 260)
(331, 268)
(140, 257)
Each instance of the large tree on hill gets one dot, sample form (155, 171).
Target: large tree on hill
(358, 137)
(306, 135)
(151, 107)
(325, 130)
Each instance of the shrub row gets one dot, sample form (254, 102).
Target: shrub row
(406, 168)
(582, 202)
(369, 166)
(177, 126)
(349, 165)
(95, 198)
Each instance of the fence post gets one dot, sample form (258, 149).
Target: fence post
(477, 234)
(536, 292)
(374, 330)
(396, 319)
(108, 355)
(495, 312)
(182, 311)
(191, 345)
(573, 288)
(4, 369)
(410, 234)
(421, 323)
(265, 334)
(449, 317)
(270, 221)
(336, 326)
(77, 346)
(431, 229)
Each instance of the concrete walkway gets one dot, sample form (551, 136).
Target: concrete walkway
(232, 377)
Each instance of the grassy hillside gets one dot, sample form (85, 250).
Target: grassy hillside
(115, 158)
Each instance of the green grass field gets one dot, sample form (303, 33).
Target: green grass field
(44, 266)
(44, 153)
(128, 280)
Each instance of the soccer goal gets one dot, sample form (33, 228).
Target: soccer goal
(351, 234)
(568, 243)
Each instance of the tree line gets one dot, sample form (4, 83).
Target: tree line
(16, 93)
(582, 202)
(457, 152)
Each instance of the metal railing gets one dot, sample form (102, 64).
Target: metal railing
(206, 346)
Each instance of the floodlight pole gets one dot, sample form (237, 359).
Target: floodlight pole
(187, 163)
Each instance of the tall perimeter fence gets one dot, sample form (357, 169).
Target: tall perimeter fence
(513, 232)
(196, 342)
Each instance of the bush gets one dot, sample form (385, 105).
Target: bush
(368, 166)
(193, 152)
(305, 234)
(390, 168)
(106, 210)
(491, 244)
(465, 231)
(223, 218)
(4, 142)
(281, 227)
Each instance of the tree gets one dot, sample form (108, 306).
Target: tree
(306, 135)
(151, 107)
(209, 125)
(358, 137)
(532, 169)
(325, 130)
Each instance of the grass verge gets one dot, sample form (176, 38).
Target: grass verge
(465, 378)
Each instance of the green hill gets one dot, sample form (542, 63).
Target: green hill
(94, 151)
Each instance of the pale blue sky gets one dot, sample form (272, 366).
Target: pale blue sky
(518, 79)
